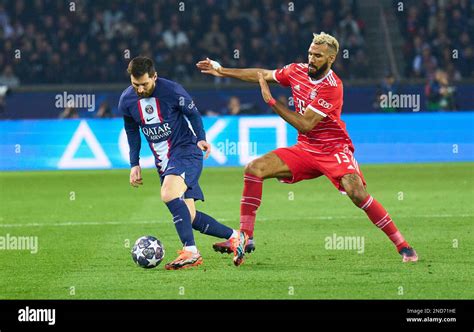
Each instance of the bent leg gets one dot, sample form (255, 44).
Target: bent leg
(172, 189)
(354, 187)
(265, 167)
(268, 166)
(207, 224)
(356, 191)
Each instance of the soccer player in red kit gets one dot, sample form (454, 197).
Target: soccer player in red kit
(323, 148)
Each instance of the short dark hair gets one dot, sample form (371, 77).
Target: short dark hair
(141, 65)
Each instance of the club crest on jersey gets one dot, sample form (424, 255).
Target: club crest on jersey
(313, 94)
(149, 109)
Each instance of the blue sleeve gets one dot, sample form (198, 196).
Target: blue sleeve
(121, 106)
(133, 132)
(189, 109)
(134, 140)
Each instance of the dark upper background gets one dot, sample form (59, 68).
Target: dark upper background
(94, 42)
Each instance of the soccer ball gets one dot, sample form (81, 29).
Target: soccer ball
(148, 252)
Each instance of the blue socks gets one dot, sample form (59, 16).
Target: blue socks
(210, 226)
(182, 221)
(203, 223)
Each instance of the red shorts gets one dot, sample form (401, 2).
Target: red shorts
(307, 163)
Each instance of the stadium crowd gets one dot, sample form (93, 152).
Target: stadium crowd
(92, 41)
(438, 35)
(86, 41)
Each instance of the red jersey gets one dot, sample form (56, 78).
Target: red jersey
(323, 96)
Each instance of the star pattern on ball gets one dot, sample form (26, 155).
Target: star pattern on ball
(138, 252)
(154, 244)
(153, 261)
(148, 252)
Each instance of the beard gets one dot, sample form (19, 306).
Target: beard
(319, 72)
(146, 94)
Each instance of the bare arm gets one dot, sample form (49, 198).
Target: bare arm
(303, 123)
(247, 74)
(211, 67)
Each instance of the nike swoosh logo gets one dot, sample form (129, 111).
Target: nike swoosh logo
(149, 119)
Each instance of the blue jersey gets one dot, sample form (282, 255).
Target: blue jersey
(168, 119)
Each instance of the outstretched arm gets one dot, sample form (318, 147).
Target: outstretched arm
(303, 123)
(214, 68)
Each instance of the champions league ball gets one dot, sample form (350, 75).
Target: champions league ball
(148, 252)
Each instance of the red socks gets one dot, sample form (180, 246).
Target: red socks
(250, 202)
(252, 198)
(380, 217)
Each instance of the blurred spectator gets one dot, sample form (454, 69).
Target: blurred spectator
(4, 91)
(214, 41)
(425, 63)
(466, 61)
(349, 32)
(8, 78)
(174, 37)
(440, 94)
(387, 87)
(104, 110)
(111, 19)
(360, 66)
(389, 84)
(211, 112)
(234, 107)
(69, 113)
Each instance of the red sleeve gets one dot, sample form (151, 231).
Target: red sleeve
(328, 99)
(282, 75)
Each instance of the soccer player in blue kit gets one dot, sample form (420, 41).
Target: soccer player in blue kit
(173, 128)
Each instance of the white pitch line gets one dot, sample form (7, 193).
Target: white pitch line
(145, 222)
(82, 223)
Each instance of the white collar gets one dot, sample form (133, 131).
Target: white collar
(321, 79)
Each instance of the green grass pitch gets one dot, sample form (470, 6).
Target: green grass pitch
(86, 222)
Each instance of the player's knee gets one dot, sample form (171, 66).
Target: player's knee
(256, 168)
(354, 188)
(357, 195)
(168, 195)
